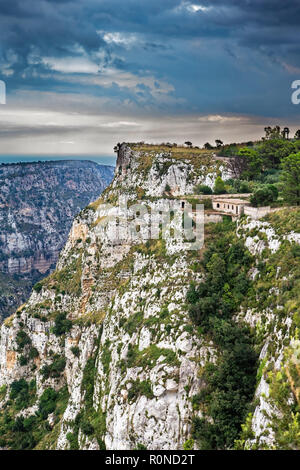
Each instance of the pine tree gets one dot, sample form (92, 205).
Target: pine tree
(219, 187)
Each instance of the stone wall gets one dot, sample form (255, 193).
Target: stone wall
(256, 212)
(212, 218)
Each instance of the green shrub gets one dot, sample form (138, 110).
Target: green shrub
(73, 440)
(207, 203)
(22, 340)
(87, 428)
(54, 369)
(3, 390)
(140, 388)
(264, 196)
(38, 287)
(133, 322)
(47, 403)
(62, 324)
(23, 361)
(189, 444)
(22, 393)
(106, 357)
(75, 350)
(219, 187)
(202, 189)
(24, 438)
(90, 418)
(33, 353)
(140, 446)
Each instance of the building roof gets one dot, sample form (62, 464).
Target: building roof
(237, 202)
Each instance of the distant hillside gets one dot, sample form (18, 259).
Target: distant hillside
(38, 202)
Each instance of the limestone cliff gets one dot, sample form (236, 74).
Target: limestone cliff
(149, 171)
(37, 204)
(104, 354)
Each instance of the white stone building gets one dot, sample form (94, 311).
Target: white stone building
(230, 205)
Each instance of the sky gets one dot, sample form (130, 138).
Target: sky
(82, 75)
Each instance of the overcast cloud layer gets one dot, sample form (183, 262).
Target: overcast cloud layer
(84, 74)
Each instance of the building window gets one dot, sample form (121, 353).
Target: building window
(182, 205)
(218, 205)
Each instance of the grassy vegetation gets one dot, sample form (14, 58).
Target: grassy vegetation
(275, 299)
(3, 390)
(67, 279)
(197, 157)
(178, 152)
(139, 388)
(148, 357)
(61, 324)
(55, 369)
(285, 221)
(155, 248)
(90, 420)
(286, 425)
(18, 433)
(95, 205)
(230, 382)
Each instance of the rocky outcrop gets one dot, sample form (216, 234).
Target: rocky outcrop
(130, 358)
(37, 204)
(106, 340)
(273, 315)
(152, 171)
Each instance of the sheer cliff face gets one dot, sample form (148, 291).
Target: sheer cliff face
(147, 171)
(104, 350)
(37, 204)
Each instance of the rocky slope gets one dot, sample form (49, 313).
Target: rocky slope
(37, 204)
(272, 312)
(104, 354)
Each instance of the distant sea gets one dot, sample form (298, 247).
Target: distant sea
(101, 160)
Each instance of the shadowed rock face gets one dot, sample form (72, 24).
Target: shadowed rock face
(37, 204)
(123, 158)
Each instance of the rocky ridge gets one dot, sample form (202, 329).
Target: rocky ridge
(106, 340)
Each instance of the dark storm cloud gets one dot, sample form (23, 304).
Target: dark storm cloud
(254, 23)
(54, 26)
(172, 56)
(48, 26)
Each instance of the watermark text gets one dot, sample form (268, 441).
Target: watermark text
(2, 92)
(296, 94)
